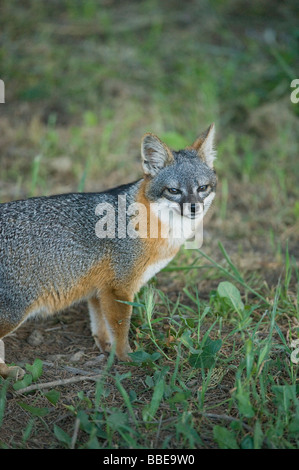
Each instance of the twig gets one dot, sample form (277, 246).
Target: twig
(75, 434)
(73, 370)
(227, 418)
(57, 383)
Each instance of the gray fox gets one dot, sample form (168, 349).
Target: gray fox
(51, 255)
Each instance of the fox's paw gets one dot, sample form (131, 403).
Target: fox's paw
(124, 355)
(102, 343)
(14, 372)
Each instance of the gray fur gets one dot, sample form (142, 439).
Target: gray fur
(49, 242)
(187, 174)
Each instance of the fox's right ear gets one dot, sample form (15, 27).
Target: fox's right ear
(204, 146)
(155, 154)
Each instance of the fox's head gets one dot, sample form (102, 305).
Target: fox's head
(183, 180)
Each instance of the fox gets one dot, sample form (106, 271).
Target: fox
(52, 257)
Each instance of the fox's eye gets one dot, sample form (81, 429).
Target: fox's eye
(174, 191)
(203, 188)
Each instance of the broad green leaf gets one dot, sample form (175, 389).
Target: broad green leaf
(229, 291)
(225, 439)
(206, 358)
(53, 396)
(212, 346)
(36, 369)
(140, 356)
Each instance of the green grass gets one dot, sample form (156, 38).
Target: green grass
(212, 333)
(229, 344)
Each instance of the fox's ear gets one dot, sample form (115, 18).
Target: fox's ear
(155, 154)
(204, 146)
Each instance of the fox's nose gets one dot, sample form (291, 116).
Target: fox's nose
(193, 208)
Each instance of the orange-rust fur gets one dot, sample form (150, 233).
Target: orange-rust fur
(123, 266)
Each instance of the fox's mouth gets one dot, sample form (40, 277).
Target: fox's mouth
(193, 212)
(192, 216)
(187, 212)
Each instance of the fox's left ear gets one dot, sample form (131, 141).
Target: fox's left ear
(204, 146)
(155, 154)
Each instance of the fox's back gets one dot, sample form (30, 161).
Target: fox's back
(49, 243)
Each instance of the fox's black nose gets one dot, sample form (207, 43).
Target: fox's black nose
(193, 208)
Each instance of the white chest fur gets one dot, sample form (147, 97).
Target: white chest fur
(153, 269)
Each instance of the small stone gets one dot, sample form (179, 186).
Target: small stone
(95, 361)
(35, 338)
(77, 356)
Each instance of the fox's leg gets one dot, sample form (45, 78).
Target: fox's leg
(117, 317)
(14, 372)
(98, 325)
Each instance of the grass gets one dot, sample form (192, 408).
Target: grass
(213, 364)
(239, 349)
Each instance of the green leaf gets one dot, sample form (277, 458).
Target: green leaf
(117, 420)
(212, 346)
(156, 355)
(285, 395)
(180, 397)
(35, 411)
(27, 431)
(150, 410)
(247, 443)
(62, 436)
(244, 404)
(149, 381)
(93, 443)
(228, 291)
(36, 369)
(140, 356)
(187, 340)
(85, 424)
(184, 427)
(206, 358)
(53, 396)
(258, 436)
(132, 396)
(225, 439)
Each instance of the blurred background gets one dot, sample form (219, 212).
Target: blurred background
(84, 80)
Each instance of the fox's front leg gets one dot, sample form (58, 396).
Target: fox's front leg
(14, 372)
(114, 321)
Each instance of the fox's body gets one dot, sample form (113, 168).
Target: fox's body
(51, 255)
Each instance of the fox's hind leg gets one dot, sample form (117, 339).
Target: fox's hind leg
(14, 372)
(98, 325)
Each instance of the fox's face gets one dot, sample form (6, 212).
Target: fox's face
(184, 181)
